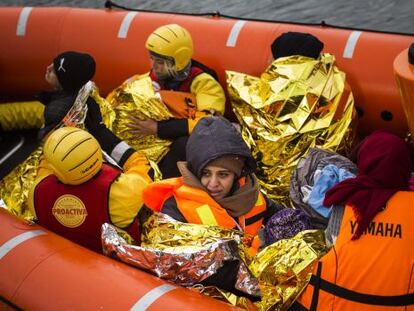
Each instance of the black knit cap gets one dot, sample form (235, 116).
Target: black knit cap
(296, 43)
(74, 69)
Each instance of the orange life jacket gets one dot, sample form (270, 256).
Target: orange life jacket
(374, 272)
(180, 104)
(184, 86)
(180, 101)
(198, 207)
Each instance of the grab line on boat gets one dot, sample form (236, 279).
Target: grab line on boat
(22, 22)
(17, 240)
(126, 22)
(152, 296)
(234, 33)
(15, 148)
(351, 44)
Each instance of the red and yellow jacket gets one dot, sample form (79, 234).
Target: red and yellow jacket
(194, 98)
(111, 196)
(374, 272)
(209, 95)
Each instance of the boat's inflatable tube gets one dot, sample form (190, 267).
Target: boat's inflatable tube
(41, 271)
(31, 37)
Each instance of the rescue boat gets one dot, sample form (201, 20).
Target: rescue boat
(40, 270)
(33, 36)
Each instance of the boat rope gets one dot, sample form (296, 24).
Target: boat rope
(111, 4)
(10, 305)
(13, 150)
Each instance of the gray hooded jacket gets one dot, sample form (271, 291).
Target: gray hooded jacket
(214, 137)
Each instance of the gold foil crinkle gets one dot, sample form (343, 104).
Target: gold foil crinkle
(179, 253)
(136, 97)
(219, 294)
(15, 187)
(107, 112)
(298, 103)
(162, 231)
(284, 268)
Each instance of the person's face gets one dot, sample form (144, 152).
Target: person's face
(162, 67)
(217, 180)
(51, 77)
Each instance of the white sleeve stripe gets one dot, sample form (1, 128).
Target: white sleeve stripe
(119, 151)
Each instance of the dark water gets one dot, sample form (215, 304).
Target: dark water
(382, 15)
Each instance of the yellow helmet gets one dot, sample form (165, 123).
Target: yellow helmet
(74, 155)
(172, 41)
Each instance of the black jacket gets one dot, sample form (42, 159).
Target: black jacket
(57, 106)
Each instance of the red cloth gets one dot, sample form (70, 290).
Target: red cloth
(384, 168)
(411, 182)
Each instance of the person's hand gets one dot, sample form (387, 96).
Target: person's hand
(142, 127)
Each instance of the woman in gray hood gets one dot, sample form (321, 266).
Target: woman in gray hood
(218, 185)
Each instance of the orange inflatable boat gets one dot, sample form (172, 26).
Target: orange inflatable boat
(32, 36)
(40, 270)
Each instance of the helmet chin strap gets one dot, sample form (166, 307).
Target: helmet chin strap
(170, 72)
(174, 75)
(182, 74)
(163, 75)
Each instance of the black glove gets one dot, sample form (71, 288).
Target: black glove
(226, 277)
(172, 128)
(93, 119)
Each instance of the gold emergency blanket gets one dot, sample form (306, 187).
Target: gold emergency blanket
(188, 253)
(283, 270)
(14, 188)
(136, 97)
(298, 103)
(107, 112)
(285, 267)
(182, 253)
